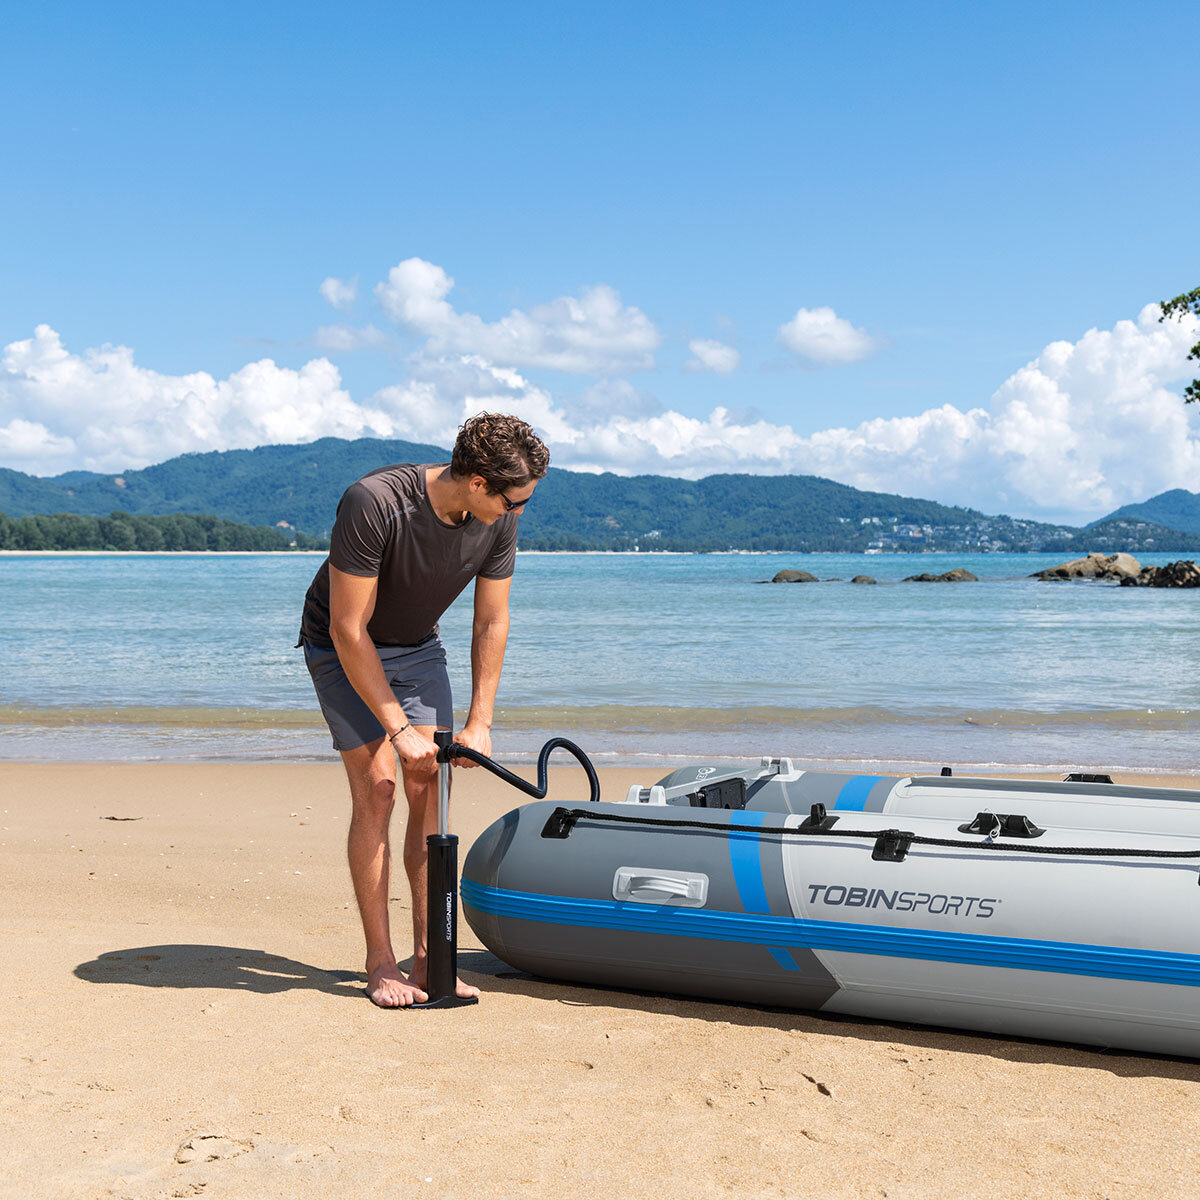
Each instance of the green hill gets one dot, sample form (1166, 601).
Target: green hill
(1176, 509)
(297, 484)
(300, 486)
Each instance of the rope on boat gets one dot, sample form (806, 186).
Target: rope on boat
(891, 844)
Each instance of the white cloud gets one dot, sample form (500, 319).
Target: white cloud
(103, 412)
(1083, 428)
(341, 293)
(708, 355)
(342, 338)
(821, 336)
(592, 334)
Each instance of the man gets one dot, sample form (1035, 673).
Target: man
(406, 541)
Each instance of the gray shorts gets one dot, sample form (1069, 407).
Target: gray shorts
(416, 674)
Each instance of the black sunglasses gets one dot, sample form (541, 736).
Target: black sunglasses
(509, 505)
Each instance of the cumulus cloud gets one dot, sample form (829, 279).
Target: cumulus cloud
(102, 411)
(1083, 428)
(708, 355)
(820, 336)
(341, 293)
(592, 334)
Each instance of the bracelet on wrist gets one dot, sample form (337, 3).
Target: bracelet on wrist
(393, 736)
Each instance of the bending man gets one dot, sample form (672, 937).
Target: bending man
(407, 539)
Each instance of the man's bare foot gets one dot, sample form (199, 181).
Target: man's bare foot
(419, 973)
(387, 987)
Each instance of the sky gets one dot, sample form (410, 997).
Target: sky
(913, 247)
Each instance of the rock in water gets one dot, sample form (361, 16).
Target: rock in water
(1182, 574)
(863, 579)
(794, 577)
(958, 575)
(1094, 566)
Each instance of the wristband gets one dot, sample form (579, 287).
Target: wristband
(393, 736)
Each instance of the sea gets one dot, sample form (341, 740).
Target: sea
(654, 659)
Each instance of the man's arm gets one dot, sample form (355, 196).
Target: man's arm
(489, 636)
(351, 605)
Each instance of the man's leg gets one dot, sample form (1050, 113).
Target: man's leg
(421, 792)
(371, 770)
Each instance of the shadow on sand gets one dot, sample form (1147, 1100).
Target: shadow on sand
(247, 970)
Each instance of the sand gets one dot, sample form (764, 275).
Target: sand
(183, 1015)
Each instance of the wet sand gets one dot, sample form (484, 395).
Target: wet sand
(183, 1015)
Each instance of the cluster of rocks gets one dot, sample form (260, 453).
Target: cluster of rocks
(805, 577)
(956, 576)
(1182, 574)
(959, 575)
(1095, 566)
(1120, 568)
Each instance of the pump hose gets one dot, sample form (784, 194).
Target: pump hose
(538, 792)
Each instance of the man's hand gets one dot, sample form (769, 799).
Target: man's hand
(477, 737)
(416, 752)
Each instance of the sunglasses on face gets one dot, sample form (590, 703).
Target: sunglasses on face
(509, 505)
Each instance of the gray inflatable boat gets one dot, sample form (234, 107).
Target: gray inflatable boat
(1067, 911)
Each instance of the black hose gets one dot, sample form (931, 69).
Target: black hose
(538, 792)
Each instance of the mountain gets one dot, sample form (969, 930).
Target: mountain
(572, 510)
(297, 484)
(1176, 509)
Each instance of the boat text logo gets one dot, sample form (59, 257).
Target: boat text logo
(935, 903)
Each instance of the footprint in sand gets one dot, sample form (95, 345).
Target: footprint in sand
(209, 1147)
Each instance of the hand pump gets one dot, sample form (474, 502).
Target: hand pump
(442, 931)
(442, 910)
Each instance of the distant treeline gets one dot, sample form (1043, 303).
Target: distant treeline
(124, 531)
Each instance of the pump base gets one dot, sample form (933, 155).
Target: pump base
(445, 1002)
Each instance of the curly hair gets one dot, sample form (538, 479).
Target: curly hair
(501, 448)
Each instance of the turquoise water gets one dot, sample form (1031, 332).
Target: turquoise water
(633, 656)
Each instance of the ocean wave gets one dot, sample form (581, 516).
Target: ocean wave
(639, 719)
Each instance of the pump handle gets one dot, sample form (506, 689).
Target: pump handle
(538, 792)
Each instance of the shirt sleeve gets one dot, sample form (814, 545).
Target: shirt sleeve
(502, 558)
(359, 535)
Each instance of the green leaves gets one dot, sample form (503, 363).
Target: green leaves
(1188, 302)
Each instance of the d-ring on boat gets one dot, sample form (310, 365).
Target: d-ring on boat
(1063, 910)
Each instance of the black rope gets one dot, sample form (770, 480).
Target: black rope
(572, 815)
(454, 750)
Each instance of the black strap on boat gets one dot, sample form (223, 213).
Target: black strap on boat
(891, 845)
(538, 792)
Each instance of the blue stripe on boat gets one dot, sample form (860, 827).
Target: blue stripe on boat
(747, 865)
(745, 854)
(855, 791)
(1020, 954)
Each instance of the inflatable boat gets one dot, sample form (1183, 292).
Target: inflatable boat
(1062, 910)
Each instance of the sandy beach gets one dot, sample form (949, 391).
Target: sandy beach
(183, 1015)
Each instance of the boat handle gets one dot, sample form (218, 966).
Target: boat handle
(659, 883)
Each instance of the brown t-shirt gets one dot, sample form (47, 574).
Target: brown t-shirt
(386, 526)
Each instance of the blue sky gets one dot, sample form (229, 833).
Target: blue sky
(935, 192)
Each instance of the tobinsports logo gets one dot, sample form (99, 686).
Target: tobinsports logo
(935, 903)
